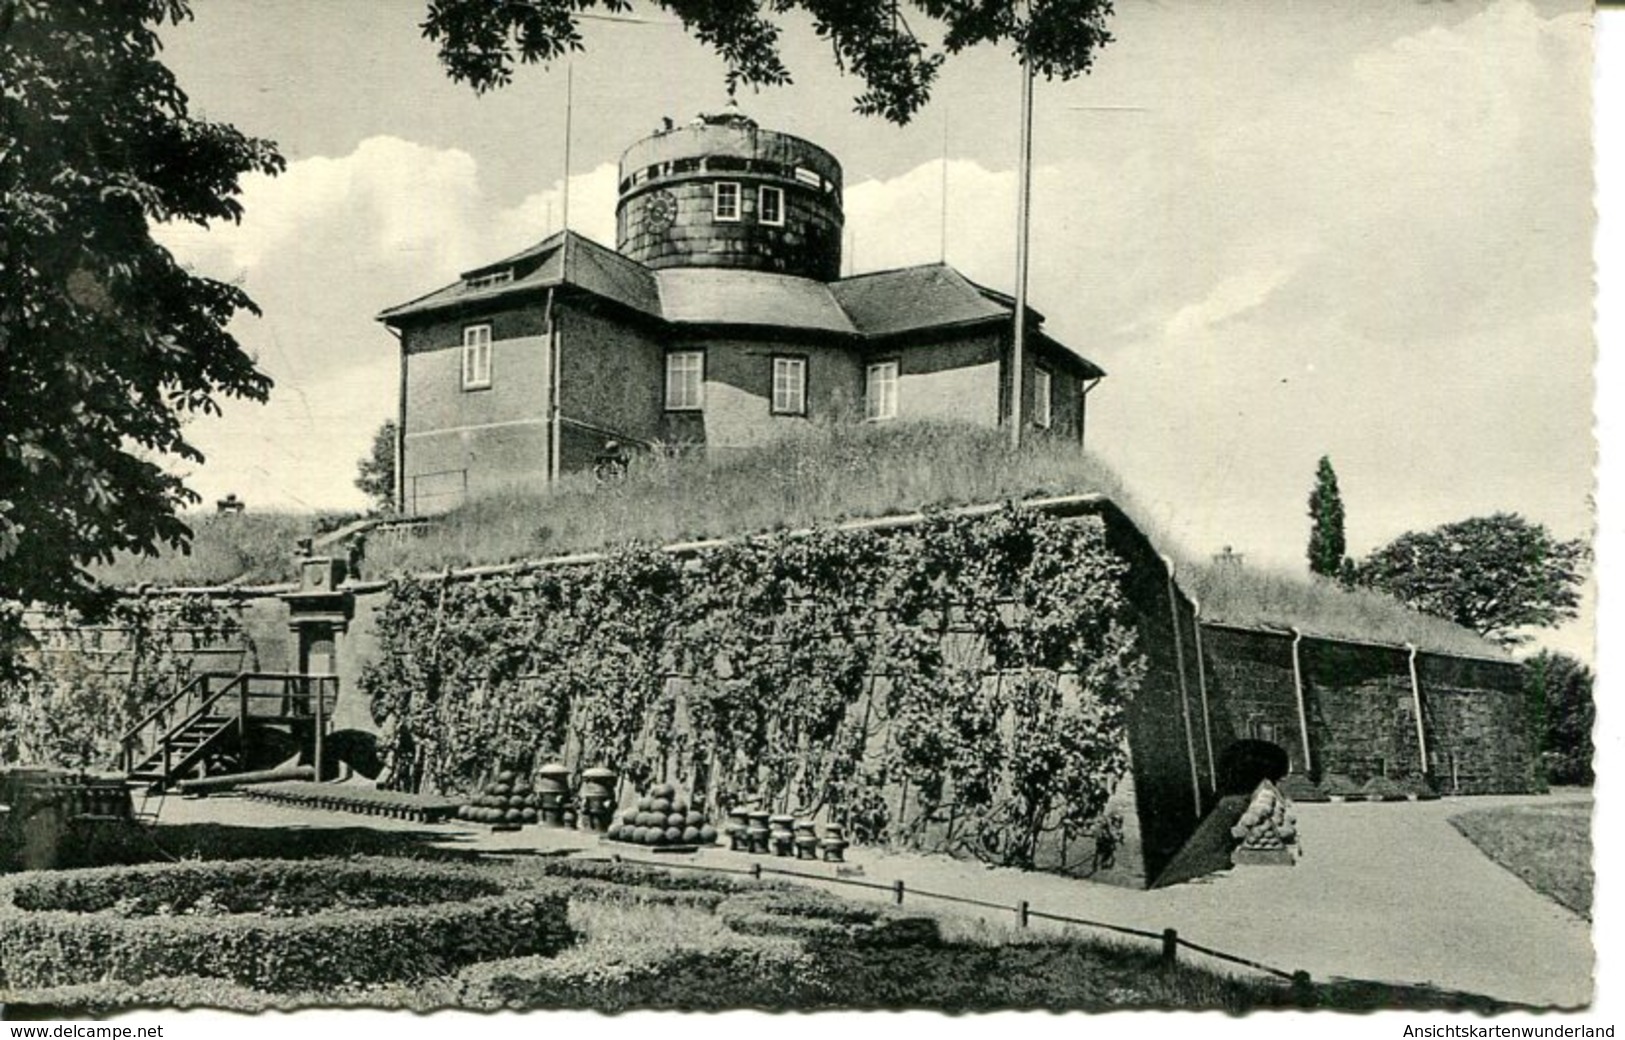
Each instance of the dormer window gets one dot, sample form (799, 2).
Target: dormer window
(725, 201)
(770, 206)
(484, 281)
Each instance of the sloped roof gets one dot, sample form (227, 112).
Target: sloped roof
(725, 296)
(913, 298)
(565, 258)
(871, 306)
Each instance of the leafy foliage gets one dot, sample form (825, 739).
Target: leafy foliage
(1492, 574)
(106, 344)
(480, 43)
(273, 952)
(1563, 712)
(966, 676)
(375, 474)
(69, 690)
(1326, 541)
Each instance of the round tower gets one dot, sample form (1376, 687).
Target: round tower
(722, 192)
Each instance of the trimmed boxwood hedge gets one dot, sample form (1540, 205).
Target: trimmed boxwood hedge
(52, 947)
(291, 888)
(823, 918)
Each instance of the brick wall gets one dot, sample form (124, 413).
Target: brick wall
(681, 168)
(1361, 710)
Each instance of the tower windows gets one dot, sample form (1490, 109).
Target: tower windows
(725, 200)
(476, 357)
(770, 206)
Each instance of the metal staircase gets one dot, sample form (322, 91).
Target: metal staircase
(214, 723)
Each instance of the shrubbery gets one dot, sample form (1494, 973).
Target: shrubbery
(823, 919)
(90, 937)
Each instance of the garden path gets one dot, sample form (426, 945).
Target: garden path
(1387, 892)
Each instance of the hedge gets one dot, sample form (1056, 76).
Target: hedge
(277, 887)
(826, 919)
(42, 948)
(745, 971)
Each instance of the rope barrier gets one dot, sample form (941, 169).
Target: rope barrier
(1169, 938)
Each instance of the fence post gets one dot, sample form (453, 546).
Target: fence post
(1303, 991)
(1021, 914)
(756, 871)
(897, 891)
(1170, 947)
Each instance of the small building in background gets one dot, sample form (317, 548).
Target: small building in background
(719, 321)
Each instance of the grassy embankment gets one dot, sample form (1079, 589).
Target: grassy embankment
(820, 475)
(1548, 846)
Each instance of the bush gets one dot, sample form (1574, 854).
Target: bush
(821, 918)
(287, 889)
(1336, 785)
(1382, 789)
(746, 971)
(638, 875)
(64, 945)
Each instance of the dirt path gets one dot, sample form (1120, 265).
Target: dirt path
(1387, 892)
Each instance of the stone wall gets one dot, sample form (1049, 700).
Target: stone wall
(666, 213)
(1360, 710)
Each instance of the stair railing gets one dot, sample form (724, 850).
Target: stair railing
(238, 682)
(161, 717)
(297, 695)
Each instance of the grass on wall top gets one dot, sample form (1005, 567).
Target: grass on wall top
(820, 474)
(1254, 597)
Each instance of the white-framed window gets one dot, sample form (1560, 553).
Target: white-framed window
(1043, 402)
(789, 386)
(476, 357)
(685, 380)
(880, 391)
(725, 200)
(770, 206)
(484, 281)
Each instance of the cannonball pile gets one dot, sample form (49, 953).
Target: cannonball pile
(507, 800)
(663, 816)
(1268, 822)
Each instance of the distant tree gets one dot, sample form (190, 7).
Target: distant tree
(481, 42)
(1562, 710)
(1492, 574)
(1326, 541)
(107, 345)
(375, 474)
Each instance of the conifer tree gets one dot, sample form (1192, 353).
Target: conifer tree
(1326, 542)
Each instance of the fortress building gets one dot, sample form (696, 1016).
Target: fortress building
(720, 319)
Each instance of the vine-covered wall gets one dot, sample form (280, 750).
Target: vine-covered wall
(69, 689)
(963, 683)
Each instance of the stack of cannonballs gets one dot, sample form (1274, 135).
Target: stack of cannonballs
(1267, 830)
(507, 801)
(663, 818)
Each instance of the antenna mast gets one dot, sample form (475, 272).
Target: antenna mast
(569, 109)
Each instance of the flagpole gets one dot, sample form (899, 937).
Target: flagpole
(569, 110)
(1024, 175)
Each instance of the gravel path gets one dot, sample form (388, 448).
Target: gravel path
(1387, 892)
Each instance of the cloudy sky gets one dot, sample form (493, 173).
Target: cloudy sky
(1289, 228)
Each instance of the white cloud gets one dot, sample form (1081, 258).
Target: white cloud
(1387, 262)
